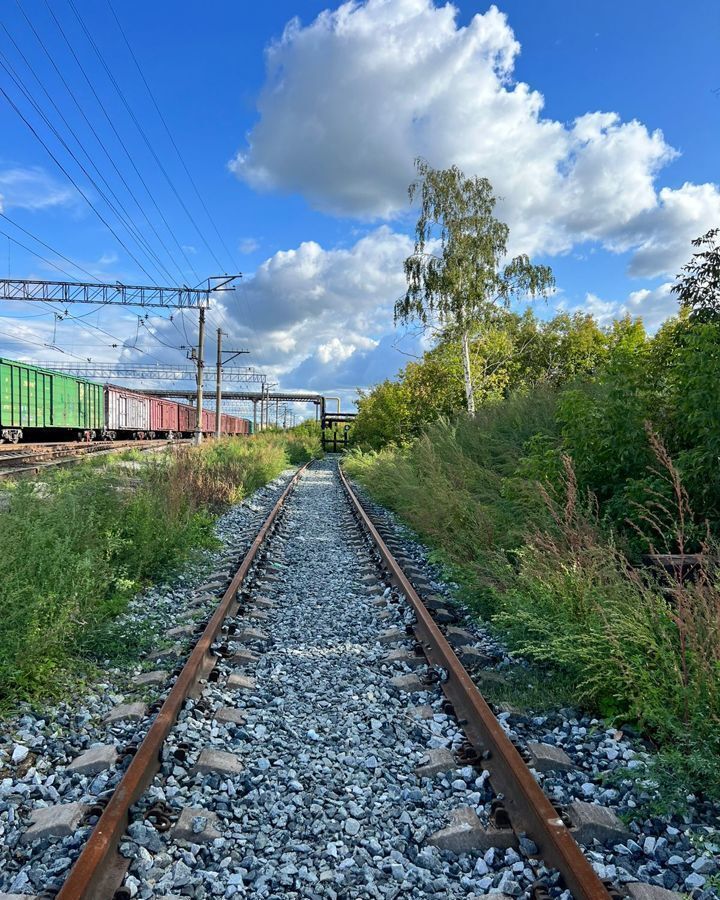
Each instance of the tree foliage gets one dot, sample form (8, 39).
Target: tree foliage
(511, 352)
(698, 284)
(457, 272)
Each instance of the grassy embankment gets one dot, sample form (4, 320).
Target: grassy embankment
(75, 549)
(547, 565)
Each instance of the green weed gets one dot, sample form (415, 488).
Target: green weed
(76, 549)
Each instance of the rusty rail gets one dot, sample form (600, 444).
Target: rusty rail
(529, 809)
(99, 870)
(32, 458)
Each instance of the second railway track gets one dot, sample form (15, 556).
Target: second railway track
(323, 740)
(19, 459)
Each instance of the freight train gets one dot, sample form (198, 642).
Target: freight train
(40, 405)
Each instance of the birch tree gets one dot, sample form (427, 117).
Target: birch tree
(457, 273)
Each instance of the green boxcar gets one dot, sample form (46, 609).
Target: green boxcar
(33, 398)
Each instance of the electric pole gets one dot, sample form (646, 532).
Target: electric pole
(218, 382)
(200, 366)
(218, 385)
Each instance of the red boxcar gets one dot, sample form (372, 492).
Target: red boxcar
(186, 419)
(163, 416)
(208, 421)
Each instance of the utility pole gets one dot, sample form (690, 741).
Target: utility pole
(218, 385)
(218, 382)
(200, 366)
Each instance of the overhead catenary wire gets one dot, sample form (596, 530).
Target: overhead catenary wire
(141, 130)
(170, 136)
(75, 184)
(134, 233)
(22, 340)
(47, 247)
(93, 130)
(34, 253)
(100, 143)
(119, 342)
(150, 254)
(115, 131)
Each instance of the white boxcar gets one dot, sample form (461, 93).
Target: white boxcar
(126, 413)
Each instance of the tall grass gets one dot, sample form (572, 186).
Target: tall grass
(73, 552)
(539, 564)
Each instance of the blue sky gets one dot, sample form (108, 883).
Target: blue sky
(598, 123)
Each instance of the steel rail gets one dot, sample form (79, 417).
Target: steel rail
(14, 461)
(529, 809)
(99, 870)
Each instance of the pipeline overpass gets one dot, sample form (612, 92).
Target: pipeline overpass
(332, 439)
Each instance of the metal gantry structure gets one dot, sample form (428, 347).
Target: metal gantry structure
(262, 400)
(233, 375)
(117, 294)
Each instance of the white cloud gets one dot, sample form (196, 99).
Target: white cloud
(653, 305)
(311, 316)
(32, 188)
(665, 231)
(308, 312)
(334, 350)
(362, 90)
(248, 245)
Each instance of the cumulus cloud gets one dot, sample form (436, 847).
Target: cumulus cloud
(310, 314)
(362, 90)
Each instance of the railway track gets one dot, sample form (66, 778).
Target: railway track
(328, 771)
(33, 458)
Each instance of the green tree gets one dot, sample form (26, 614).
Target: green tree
(698, 284)
(457, 271)
(383, 416)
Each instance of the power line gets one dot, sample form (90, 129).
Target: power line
(64, 314)
(87, 120)
(23, 340)
(117, 135)
(34, 253)
(124, 220)
(92, 129)
(172, 139)
(140, 129)
(76, 185)
(47, 247)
